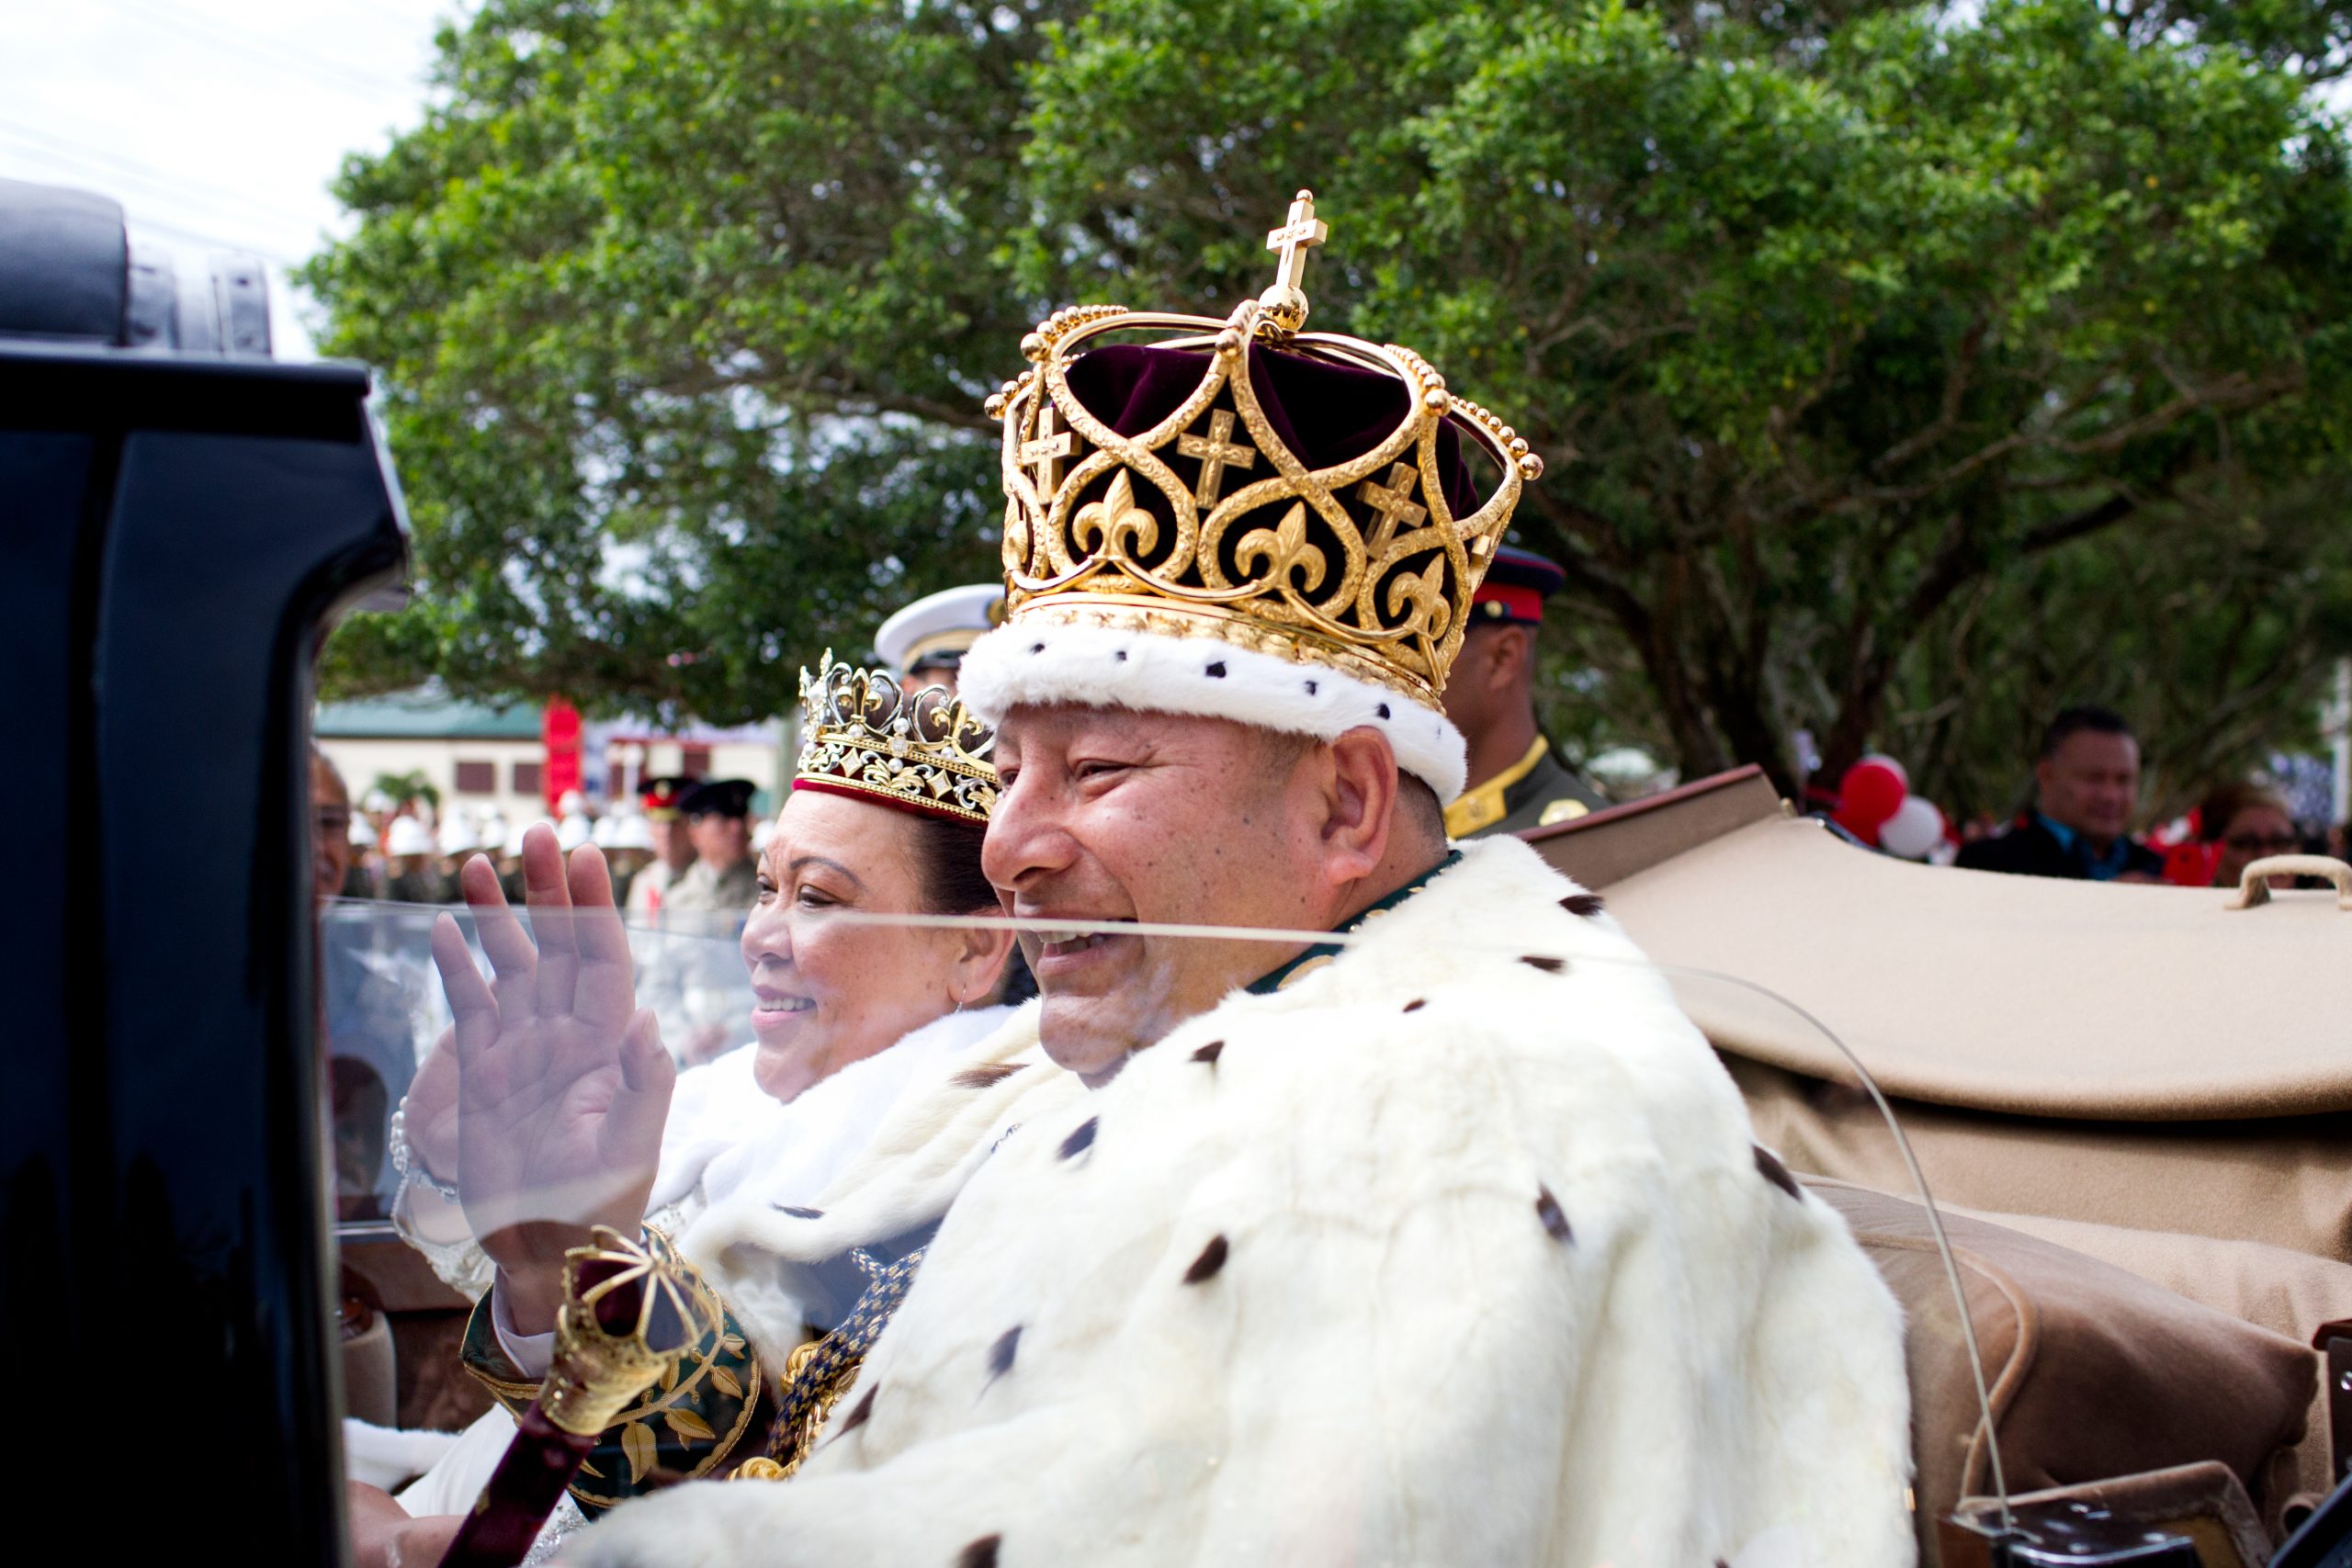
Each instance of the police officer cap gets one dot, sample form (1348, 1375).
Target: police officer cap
(660, 796)
(717, 798)
(1515, 588)
(934, 631)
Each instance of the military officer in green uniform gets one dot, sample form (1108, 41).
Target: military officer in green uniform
(717, 813)
(693, 975)
(1517, 780)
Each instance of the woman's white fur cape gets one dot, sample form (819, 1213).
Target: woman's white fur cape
(1438, 1256)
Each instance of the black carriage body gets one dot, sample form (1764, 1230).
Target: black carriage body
(176, 531)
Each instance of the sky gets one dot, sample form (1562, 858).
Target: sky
(216, 123)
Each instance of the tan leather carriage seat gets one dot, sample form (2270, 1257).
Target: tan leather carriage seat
(2092, 1372)
(2144, 1096)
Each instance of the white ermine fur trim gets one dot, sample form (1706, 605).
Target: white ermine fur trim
(1456, 1251)
(1205, 677)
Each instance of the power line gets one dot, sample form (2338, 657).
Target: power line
(39, 140)
(282, 262)
(110, 182)
(274, 53)
(176, 199)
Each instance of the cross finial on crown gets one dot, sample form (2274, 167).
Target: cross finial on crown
(1285, 302)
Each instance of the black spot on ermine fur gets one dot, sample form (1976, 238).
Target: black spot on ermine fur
(981, 1553)
(1769, 1166)
(1383, 710)
(1120, 655)
(1547, 1209)
(985, 1076)
(798, 1213)
(1549, 966)
(1000, 1354)
(1207, 1055)
(1215, 672)
(1081, 1138)
(1417, 1004)
(1205, 1266)
(1586, 904)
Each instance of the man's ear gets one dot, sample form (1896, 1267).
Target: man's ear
(1517, 655)
(1497, 657)
(1360, 803)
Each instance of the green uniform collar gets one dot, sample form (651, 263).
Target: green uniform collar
(1322, 953)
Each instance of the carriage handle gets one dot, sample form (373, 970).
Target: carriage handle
(2253, 886)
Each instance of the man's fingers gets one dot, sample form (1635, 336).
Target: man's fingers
(604, 992)
(549, 891)
(471, 1002)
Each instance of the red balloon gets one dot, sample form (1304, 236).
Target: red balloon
(1872, 791)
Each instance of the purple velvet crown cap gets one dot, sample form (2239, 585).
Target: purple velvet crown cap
(1325, 413)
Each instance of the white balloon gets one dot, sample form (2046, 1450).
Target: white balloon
(1915, 829)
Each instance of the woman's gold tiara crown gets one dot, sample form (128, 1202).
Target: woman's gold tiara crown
(863, 734)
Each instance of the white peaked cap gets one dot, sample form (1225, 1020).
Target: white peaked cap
(458, 835)
(363, 833)
(407, 836)
(572, 832)
(632, 832)
(946, 622)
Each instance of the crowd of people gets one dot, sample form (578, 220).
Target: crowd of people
(2079, 824)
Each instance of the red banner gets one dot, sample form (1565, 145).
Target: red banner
(560, 732)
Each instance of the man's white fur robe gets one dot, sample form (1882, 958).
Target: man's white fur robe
(1448, 1253)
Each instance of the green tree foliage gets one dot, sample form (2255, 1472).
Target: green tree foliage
(1865, 345)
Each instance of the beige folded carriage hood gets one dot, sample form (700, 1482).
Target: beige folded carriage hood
(2014, 994)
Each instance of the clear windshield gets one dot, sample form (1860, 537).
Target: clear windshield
(384, 1010)
(790, 1101)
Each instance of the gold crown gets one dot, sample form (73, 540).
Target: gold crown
(863, 735)
(1362, 565)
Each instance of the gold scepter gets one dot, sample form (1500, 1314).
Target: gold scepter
(627, 1317)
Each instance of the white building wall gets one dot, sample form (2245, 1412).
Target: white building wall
(361, 760)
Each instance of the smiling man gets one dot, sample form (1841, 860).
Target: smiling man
(1404, 1218)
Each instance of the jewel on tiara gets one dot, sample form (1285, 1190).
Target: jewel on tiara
(1362, 565)
(862, 735)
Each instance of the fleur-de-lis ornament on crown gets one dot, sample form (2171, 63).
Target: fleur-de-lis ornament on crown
(1208, 524)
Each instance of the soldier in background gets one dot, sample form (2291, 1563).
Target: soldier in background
(925, 642)
(718, 828)
(672, 850)
(629, 851)
(360, 875)
(1518, 782)
(692, 969)
(408, 846)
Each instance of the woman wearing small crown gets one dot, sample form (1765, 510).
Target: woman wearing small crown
(886, 816)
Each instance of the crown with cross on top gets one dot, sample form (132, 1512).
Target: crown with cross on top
(1194, 515)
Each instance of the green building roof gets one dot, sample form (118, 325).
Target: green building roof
(415, 715)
